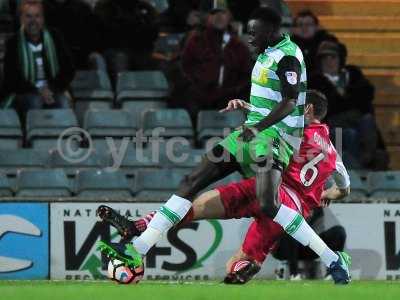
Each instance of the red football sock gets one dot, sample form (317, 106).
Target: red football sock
(141, 224)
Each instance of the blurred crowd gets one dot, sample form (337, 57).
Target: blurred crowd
(201, 49)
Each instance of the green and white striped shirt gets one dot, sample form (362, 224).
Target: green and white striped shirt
(270, 81)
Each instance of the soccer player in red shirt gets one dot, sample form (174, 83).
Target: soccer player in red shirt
(301, 190)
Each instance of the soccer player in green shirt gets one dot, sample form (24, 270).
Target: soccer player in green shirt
(262, 147)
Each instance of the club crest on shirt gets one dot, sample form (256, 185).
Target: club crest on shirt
(291, 77)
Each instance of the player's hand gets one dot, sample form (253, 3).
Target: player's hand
(248, 133)
(235, 104)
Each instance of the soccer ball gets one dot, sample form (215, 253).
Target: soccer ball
(119, 272)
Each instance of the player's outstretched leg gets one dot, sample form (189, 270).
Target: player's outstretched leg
(179, 205)
(339, 270)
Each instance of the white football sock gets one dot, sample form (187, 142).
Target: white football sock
(170, 214)
(295, 225)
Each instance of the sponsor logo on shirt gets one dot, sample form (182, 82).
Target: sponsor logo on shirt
(291, 77)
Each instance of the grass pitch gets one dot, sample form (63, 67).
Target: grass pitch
(274, 290)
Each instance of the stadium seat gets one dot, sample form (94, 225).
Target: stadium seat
(178, 156)
(168, 44)
(215, 124)
(100, 184)
(73, 163)
(10, 130)
(160, 5)
(359, 187)
(91, 90)
(5, 187)
(44, 127)
(158, 185)
(137, 108)
(141, 85)
(11, 161)
(384, 185)
(173, 122)
(92, 85)
(136, 159)
(116, 124)
(43, 183)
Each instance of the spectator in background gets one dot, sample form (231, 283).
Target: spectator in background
(129, 32)
(77, 23)
(216, 65)
(308, 36)
(350, 96)
(38, 67)
(180, 16)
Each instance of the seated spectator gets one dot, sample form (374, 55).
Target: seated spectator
(290, 251)
(308, 36)
(75, 20)
(129, 32)
(37, 66)
(350, 97)
(216, 65)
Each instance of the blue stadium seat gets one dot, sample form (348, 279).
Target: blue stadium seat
(5, 187)
(91, 90)
(137, 108)
(178, 156)
(168, 44)
(160, 5)
(43, 183)
(72, 163)
(136, 159)
(174, 123)
(359, 187)
(141, 85)
(10, 130)
(11, 161)
(215, 124)
(44, 127)
(158, 185)
(92, 85)
(100, 184)
(115, 124)
(385, 185)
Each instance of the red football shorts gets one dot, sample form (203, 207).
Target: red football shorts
(239, 200)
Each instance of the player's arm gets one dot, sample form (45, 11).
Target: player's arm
(289, 72)
(341, 187)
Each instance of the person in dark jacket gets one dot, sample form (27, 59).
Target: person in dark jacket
(216, 65)
(308, 36)
(129, 31)
(38, 67)
(77, 23)
(350, 96)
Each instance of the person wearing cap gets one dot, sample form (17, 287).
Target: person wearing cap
(350, 96)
